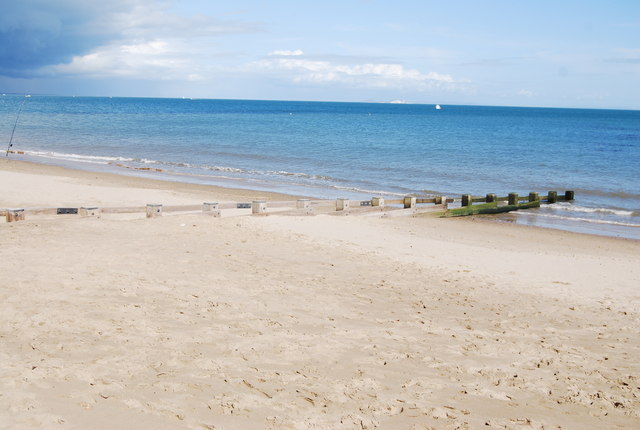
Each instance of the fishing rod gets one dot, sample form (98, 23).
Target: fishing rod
(15, 125)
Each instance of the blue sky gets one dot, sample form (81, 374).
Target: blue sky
(514, 53)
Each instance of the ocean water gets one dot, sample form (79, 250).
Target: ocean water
(354, 150)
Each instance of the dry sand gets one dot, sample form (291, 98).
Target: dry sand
(189, 321)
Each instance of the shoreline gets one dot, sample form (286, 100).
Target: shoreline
(544, 218)
(332, 322)
(132, 168)
(231, 193)
(100, 188)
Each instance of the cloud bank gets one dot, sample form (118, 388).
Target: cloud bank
(117, 38)
(36, 33)
(298, 68)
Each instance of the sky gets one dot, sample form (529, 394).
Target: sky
(559, 53)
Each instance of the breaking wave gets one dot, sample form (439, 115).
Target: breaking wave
(604, 211)
(579, 219)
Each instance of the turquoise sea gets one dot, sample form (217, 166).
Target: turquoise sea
(355, 150)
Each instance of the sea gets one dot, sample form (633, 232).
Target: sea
(352, 150)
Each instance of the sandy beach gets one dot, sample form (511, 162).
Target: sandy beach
(187, 321)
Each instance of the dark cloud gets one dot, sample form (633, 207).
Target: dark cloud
(36, 33)
(39, 33)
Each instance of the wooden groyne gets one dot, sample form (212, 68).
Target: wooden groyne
(376, 206)
(490, 204)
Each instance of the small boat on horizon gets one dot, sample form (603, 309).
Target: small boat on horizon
(438, 107)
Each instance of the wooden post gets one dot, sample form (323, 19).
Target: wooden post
(513, 198)
(534, 197)
(15, 215)
(445, 202)
(154, 210)
(466, 200)
(490, 198)
(409, 202)
(66, 211)
(377, 201)
(342, 204)
(303, 204)
(552, 197)
(88, 211)
(259, 207)
(569, 195)
(211, 209)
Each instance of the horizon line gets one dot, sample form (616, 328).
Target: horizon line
(392, 102)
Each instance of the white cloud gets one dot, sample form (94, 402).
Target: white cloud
(155, 47)
(295, 53)
(156, 59)
(379, 75)
(525, 92)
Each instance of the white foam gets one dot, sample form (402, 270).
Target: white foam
(147, 161)
(584, 209)
(76, 157)
(366, 191)
(579, 219)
